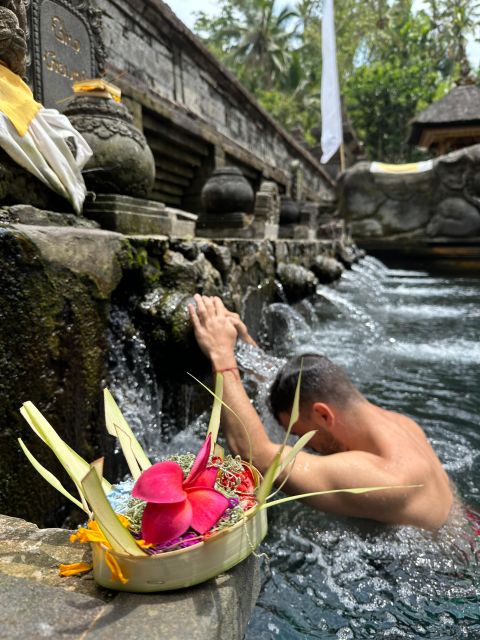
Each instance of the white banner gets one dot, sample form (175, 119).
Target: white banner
(332, 127)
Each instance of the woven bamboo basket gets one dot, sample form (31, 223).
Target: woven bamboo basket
(184, 567)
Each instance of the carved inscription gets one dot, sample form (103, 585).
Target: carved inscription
(62, 35)
(66, 50)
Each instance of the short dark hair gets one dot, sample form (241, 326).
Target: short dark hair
(322, 381)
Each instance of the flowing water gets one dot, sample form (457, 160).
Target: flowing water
(410, 341)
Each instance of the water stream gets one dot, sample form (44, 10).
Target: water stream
(410, 341)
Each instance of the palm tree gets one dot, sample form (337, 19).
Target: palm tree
(257, 39)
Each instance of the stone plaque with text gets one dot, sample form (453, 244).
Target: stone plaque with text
(62, 52)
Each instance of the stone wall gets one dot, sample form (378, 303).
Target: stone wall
(439, 205)
(58, 285)
(182, 95)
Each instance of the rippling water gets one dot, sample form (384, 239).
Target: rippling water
(411, 343)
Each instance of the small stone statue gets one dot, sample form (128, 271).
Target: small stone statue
(13, 43)
(267, 202)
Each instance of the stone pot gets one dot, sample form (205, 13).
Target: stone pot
(122, 161)
(289, 211)
(227, 192)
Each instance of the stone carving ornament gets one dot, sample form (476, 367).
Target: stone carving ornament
(13, 45)
(443, 202)
(122, 161)
(92, 18)
(104, 118)
(226, 197)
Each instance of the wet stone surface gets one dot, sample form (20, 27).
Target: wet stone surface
(35, 602)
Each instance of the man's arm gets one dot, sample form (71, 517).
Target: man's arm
(351, 469)
(216, 336)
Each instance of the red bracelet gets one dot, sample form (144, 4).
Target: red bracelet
(224, 370)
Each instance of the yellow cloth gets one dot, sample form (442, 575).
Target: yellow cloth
(16, 100)
(412, 167)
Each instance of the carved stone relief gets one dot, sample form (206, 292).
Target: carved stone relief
(66, 46)
(443, 202)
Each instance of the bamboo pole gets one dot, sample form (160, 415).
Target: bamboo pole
(342, 158)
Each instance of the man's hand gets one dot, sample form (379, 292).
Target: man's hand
(241, 327)
(215, 331)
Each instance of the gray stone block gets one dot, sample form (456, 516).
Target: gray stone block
(216, 610)
(131, 223)
(118, 200)
(36, 603)
(30, 609)
(136, 216)
(265, 230)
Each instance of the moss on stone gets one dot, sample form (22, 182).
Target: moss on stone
(57, 286)
(53, 352)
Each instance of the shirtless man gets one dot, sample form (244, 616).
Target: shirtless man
(362, 444)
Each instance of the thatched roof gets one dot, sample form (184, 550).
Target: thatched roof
(461, 106)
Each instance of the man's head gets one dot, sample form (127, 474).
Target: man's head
(325, 392)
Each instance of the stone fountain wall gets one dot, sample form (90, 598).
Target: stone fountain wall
(60, 276)
(441, 204)
(194, 112)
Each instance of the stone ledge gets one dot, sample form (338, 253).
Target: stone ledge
(35, 602)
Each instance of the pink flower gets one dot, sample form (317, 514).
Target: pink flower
(175, 504)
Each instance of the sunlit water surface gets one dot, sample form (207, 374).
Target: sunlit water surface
(410, 341)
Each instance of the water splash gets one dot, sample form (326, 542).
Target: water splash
(410, 341)
(132, 381)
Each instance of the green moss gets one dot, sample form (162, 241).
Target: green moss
(52, 352)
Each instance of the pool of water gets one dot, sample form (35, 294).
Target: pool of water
(410, 341)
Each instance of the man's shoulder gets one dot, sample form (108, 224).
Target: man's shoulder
(402, 420)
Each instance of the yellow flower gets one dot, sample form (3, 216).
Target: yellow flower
(93, 533)
(74, 569)
(125, 521)
(144, 545)
(114, 567)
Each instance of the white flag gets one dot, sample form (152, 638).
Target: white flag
(332, 128)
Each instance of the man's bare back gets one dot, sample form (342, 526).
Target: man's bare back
(381, 448)
(363, 445)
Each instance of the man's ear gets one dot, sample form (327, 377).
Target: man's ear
(324, 414)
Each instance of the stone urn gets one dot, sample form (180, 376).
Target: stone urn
(122, 161)
(289, 211)
(227, 195)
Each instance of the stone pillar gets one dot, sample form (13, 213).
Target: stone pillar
(308, 221)
(267, 211)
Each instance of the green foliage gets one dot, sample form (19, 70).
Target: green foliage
(393, 61)
(252, 38)
(383, 95)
